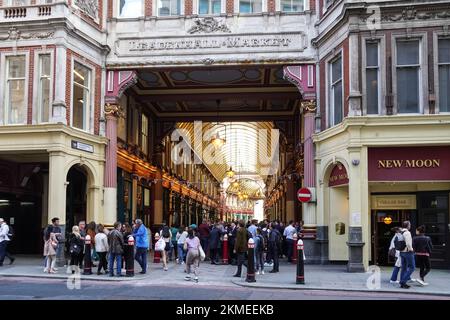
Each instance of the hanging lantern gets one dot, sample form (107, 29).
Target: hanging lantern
(217, 141)
(230, 173)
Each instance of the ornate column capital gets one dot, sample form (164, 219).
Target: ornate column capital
(113, 110)
(308, 106)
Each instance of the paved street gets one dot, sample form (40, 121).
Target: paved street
(25, 280)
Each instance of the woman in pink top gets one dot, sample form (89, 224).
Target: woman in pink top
(192, 245)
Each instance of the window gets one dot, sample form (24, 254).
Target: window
(444, 75)
(15, 102)
(408, 76)
(43, 103)
(250, 6)
(292, 5)
(169, 7)
(144, 134)
(130, 8)
(336, 97)
(209, 6)
(372, 77)
(18, 3)
(81, 96)
(135, 125)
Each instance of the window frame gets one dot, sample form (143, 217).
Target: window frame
(196, 8)
(381, 74)
(279, 7)
(423, 71)
(89, 114)
(156, 9)
(142, 14)
(144, 147)
(329, 97)
(237, 7)
(436, 37)
(37, 111)
(4, 92)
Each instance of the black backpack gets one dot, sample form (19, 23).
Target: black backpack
(10, 233)
(166, 233)
(400, 245)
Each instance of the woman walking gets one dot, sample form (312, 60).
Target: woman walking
(101, 247)
(166, 234)
(192, 245)
(422, 247)
(396, 254)
(50, 253)
(75, 248)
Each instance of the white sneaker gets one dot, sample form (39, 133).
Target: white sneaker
(182, 262)
(257, 272)
(56, 269)
(45, 270)
(262, 271)
(422, 283)
(196, 279)
(394, 282)
(187, 278)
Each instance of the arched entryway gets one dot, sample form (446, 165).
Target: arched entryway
(76, 196)
(337, 211)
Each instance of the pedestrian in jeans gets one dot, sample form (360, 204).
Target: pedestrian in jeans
(115, 242)
(4, 241)
(192, 245)
(101, 247)
(398, 260)
(174, 245)
(141, 240)
(422, 246)
(259, 252)
(407, 254)
(181, 238)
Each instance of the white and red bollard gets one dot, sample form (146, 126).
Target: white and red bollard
(225, 249)
(300, 264)
(87, 255)
(294, 249)
(129, 258)
(251, 261)
(157, 254)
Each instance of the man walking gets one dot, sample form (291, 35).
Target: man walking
(274, 243)
(4, 240)
(289, 232)
(240, 247)
(404, 245)
(140, 235)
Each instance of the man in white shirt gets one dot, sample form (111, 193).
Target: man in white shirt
(289, 232)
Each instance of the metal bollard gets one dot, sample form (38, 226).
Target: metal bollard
(157, 254)
(129, 258)
(294, 249)
(251, 261)
(87, 255)
(225, 250)
(300, 263)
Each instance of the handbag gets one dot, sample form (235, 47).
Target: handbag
(160, 245)
(392, 252)
(185, 247)
(202, 253)
(95, 256)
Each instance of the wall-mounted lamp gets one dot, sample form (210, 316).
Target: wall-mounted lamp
(355, 162)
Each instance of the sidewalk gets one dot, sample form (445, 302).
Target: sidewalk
(335, 277)
(317, 277)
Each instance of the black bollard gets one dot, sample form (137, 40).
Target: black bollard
(251, 261)
(300, 263)
(87, 255)
(129, 257)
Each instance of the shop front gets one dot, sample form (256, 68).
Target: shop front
(410, 183)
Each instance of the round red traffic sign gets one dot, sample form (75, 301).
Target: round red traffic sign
(304, 195)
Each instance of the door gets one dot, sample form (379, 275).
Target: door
(434, 215)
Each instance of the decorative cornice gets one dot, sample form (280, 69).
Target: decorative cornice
(409, 14)
(208, 25)
(15, 34)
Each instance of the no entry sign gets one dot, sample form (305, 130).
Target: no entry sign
(304, 195)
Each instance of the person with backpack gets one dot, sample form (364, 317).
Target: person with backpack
(404, 245)
(275, 239)
(5, 238)
(142, 243)
(259, 252)
(75, 248)
(240, 247)
(393, 252)
(422, 246)
(166, 234)
(115, 243)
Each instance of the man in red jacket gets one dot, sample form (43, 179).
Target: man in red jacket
(204, 230)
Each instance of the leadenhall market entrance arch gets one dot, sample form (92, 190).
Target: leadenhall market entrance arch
(163, 73)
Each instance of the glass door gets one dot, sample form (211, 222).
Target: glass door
(434, 214)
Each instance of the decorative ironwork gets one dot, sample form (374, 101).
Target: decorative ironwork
(309, 106)
(208, 25)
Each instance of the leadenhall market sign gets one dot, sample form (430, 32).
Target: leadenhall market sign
(219, 44)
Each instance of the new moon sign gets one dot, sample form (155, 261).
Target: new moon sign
(409, 164)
